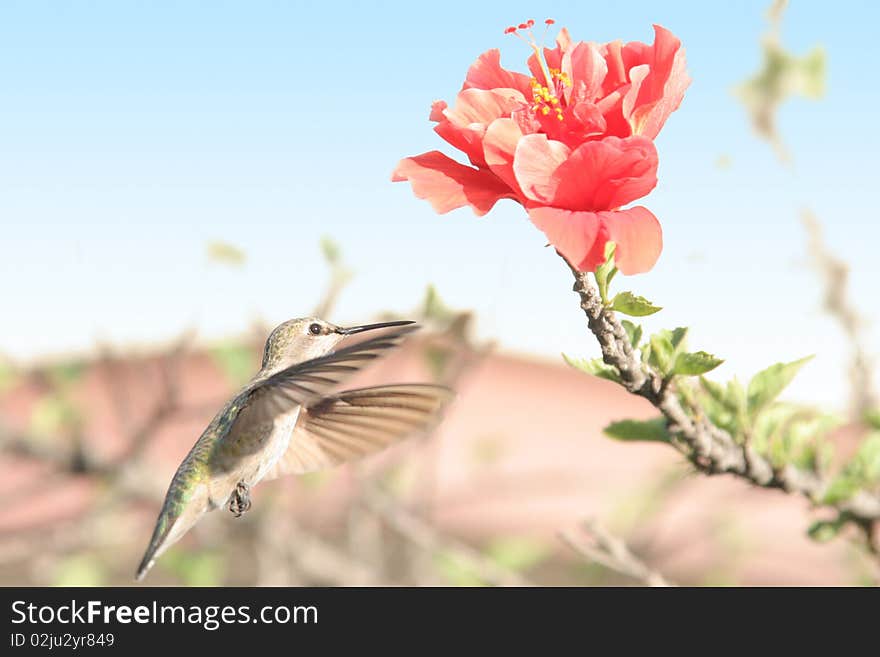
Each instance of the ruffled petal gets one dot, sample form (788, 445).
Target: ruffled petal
(612, 52)
(603, 175)
(447, 184)
(437, 109)
(586, 68)
(487, 73)
(464, 125)
(535, 162)
(659, 81)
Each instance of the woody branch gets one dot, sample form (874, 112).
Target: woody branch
(711, 449)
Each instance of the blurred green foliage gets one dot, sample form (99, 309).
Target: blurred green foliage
(54, 414)
(861, 472)
(457, 570)
(8, 376)
(237, 361)
(202, 568)
(633, 510)
(517, 553)
(80, 570)
(331, 251)
(226, 254)
(66, 374)
(782, 75)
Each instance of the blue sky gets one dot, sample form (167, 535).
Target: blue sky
(132, 133)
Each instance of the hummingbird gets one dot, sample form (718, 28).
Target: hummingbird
(291, 419)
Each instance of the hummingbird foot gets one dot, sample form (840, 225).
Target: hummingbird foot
(240, 501)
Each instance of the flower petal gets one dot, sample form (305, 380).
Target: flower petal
(447, 184)
(499, 146)
(581, 236)
(437, 109)
(483, 106)
(487, 73)
(535, 162)
(586, 68)
(552, 56)
(573, 234)
(658, 82)
(563, 39)
(603, 175)
(464, 125)
(638, 236)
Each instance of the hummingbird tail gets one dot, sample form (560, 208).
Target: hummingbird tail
(157, 543)
(170, 527)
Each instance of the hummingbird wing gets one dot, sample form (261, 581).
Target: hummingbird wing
(303, 384)
(352, 424)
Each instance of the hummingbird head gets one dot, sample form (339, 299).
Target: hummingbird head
(298, 340)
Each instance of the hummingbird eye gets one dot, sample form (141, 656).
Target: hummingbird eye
(315, 329)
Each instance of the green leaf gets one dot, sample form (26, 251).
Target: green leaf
(696, 363)
(840, 489)
(823, 531)
(633, 331)
(735, 395)
(789, 434)
(662, 352)
(632, 305)
(638, 430)
(677, 336)
(596, 367)
(767, 385)
(713, 389)
(608, 251)
(605, 272)
(725, 405)
(862, 471)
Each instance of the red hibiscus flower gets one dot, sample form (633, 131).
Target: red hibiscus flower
(572, 142)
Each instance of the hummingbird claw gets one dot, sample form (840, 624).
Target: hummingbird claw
(240, 501)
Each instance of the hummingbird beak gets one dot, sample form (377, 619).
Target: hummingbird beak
(369, 327)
